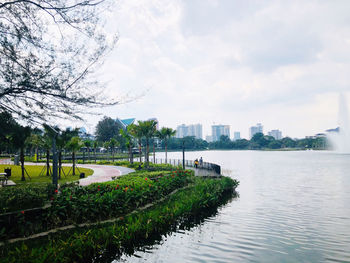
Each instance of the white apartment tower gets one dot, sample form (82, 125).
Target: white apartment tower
(277, 134)
(236, 135)
(195, 130)
(255, 129)
(218, 130)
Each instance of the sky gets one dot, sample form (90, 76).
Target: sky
(279, 63)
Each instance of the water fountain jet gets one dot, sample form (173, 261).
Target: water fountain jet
(340, 139)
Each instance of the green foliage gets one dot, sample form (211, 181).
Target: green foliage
(84, 244)
(23, 197)
(191, 143)
(35, 177)
(76, 204)
(106, 129)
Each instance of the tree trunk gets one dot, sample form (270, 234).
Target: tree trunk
(147, 152)
(37, 153)
(47, 162)
(73, 158)
(22, 163)
(140, 151)
(95, 155)
(131, 155)
(166, 152)
(59, 164)
(113, 155)
(154, 153)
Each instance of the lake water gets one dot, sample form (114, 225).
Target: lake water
(292, 207)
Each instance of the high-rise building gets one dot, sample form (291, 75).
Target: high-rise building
(277, 134)
(181, 131)
(209, 138)
(255, 129)
(195, 130)
(236, 135)
(218, 130)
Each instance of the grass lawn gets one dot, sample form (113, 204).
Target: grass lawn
(34, 172)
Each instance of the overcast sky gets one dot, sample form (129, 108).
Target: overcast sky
(280, 63)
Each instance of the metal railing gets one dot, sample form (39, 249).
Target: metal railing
(188, 163)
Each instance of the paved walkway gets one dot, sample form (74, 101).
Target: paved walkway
(102, 173)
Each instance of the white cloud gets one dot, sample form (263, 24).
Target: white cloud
(231, 62)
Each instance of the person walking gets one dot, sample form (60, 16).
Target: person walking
(201, 162)
(196, 163)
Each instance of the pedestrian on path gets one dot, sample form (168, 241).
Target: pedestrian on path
(196, 163)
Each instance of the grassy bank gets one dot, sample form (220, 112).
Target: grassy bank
(38, 176)
(106, 242)
(75, 204)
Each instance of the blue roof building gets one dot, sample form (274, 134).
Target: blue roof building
(125, 123)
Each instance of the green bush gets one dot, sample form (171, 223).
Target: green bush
(77, 204)
(108, 241)
(22, 197)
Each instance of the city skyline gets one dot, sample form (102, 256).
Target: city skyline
(230, 62)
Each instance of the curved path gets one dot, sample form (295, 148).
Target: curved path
(102, 173)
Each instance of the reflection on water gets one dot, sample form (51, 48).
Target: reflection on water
(159, 236)
(293, 207)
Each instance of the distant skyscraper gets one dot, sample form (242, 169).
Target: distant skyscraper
(236, 135)
(218, 130)
(209, 138)
(189, 130)
(277, 134)
(255, 129)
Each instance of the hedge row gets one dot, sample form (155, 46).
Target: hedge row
(107, 242)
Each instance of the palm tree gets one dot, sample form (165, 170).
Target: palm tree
(112, 144)
(95, 145)
(164, 134)
(135, 131)
(74, 145)
(148, 130)
(61, 142)
(88, 145)
(35, 140)
(129, 142)
(47, 143)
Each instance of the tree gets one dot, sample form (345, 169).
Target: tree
(258, 141)
(95, 145)
(165, 134)
(136, 132)
(18, 137)
(129, 142)
(112, 144)
(148, 130)
(88, 145)
(48, 48)
(36, 141)
(6, 129)
(47, 144)
(106, 129)
(241, 144)
(288, 142)
(74, 145)
(62, 140)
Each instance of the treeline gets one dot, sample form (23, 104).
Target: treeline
(258, 142)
